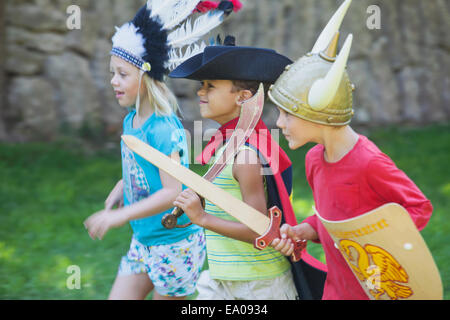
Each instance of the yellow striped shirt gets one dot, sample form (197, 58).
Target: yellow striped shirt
(231, 259)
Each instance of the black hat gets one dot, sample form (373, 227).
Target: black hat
(229, 62)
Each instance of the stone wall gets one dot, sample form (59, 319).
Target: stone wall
(54, 81)
(2, 71)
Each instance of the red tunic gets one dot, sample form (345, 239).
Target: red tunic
(364, 179)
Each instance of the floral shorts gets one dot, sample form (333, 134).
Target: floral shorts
(174, 269)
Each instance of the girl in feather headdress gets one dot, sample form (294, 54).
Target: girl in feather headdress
(144, 51)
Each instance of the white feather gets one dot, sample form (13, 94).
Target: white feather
(176, 56)
(177, 13)
(153, 5)
(127, 37)
(161, 8)
(186, 34)
(149, 4)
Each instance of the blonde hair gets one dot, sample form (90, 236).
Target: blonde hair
(160, 96)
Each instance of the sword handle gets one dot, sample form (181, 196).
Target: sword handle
(274, 232)
(169, 221)
(299, 246)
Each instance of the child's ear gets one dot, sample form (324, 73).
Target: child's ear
(243, 95)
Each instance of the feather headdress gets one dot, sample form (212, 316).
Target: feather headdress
(156, 40)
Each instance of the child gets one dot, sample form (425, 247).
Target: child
(168, 261)
(230, 75)
(348, 174)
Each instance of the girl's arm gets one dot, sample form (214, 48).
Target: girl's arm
(99, 223)
(115, 196)
(247, 171)
(159, 201)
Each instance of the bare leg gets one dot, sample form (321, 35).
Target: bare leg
(157, 296)
(131, 287)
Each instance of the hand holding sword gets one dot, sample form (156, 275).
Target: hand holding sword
(301, 231)
(189, 201)
(247, 171)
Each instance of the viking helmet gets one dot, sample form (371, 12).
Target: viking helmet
(317, 87)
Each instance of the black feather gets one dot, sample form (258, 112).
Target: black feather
(156, 48)
(226, 7)
(218, 40)
(229, 41)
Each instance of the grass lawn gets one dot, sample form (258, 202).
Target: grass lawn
(47, 190)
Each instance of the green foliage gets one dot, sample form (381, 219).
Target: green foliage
(47, 190)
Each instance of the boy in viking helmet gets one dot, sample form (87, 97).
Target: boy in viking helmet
(348, 174)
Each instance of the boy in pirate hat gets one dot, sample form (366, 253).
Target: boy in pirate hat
(144, 50)
(230, 75)
(348, 174)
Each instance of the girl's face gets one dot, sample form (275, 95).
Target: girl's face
(125, 82)
(297, 131)
(218, 102)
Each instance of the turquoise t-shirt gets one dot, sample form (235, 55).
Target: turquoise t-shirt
(141, 178)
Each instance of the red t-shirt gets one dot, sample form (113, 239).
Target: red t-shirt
(364, 179)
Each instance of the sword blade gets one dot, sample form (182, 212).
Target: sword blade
(246, 214)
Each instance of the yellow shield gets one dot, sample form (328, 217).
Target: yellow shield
(387, 254)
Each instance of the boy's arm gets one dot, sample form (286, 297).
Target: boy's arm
(312, 220)
(189, 201)
(247, 171)
(393, 185)
(302, 231)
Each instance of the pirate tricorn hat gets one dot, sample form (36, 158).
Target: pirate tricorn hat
(317, 87)
(231, 62)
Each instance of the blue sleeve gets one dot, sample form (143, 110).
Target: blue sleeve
(127, 119)
(168, 136)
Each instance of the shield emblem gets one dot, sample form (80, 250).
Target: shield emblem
(387, 254)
